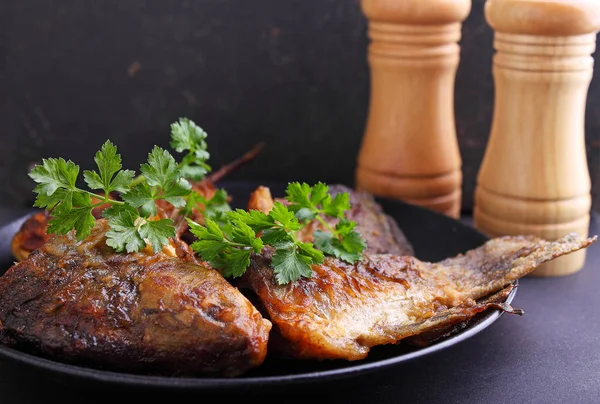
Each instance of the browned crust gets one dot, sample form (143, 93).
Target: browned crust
(343, 310)
(80, 302)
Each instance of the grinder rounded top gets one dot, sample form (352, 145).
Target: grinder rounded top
(544, 17)
(416, 11)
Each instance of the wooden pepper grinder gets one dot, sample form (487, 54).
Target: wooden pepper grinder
(534, 176)
(409, 150)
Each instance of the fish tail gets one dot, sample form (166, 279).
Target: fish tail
(503, 260)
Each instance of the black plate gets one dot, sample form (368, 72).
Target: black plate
(433, 236)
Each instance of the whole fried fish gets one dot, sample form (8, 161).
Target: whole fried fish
(81, 302)
(343, 310)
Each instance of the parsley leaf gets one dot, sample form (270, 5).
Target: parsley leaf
(299, 194)
(161, 168)
(210, 249)
(75, 213)
(349, 249)
(111, 177)
(54, 173)
(243, 234)
(313, 203)
(337, 207)
(280, 213)
(123, 233)
(175, 191)
(50, 201)
(348, 245)
(193, 201)
(163, 181)
(231, 254)
(217, 204)
(308, 250)
(274, 236)
(129, 231)
(256, 219)
(308, 202)
(210, 239)
(142, 197)
(187, 136)
(289, 265)
(235, 262)
(157, 232)
(209, 232)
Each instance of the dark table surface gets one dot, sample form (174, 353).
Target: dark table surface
(549, 355)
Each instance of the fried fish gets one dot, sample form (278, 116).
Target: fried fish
(166, 313)
(81, 302)
(343, 310)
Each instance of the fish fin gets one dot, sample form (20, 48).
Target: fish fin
(503, 260)
(451, 321)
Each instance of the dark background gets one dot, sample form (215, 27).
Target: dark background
(291, 73)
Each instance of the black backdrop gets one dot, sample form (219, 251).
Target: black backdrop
(291, 73)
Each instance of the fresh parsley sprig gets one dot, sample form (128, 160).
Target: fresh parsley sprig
(341, 241)
(132, 218)
(229, 246)
(187, 136)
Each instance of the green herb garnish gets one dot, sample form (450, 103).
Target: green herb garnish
(229, 246)
(188, 137)
(132, 218)
(227, 239)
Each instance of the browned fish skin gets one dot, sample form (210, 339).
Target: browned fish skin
(81, 302)
(344, 310)
(31, 235)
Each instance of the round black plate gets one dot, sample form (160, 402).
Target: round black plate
(433, 236)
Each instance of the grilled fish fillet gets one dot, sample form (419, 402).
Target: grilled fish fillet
(80, 302)
(343, 310)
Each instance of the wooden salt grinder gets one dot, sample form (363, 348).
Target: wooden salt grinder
(534, 177)
(409, 149)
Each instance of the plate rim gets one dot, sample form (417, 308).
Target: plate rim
(212, 383)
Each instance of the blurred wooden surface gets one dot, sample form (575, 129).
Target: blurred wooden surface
(534, 178)
(292, 73)
(409, 150)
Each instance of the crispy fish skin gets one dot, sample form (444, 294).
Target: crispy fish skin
(31, 235)
(81, 302)
(343, 310)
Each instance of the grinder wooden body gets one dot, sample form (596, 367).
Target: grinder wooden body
(534, 176)
(409, 149)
